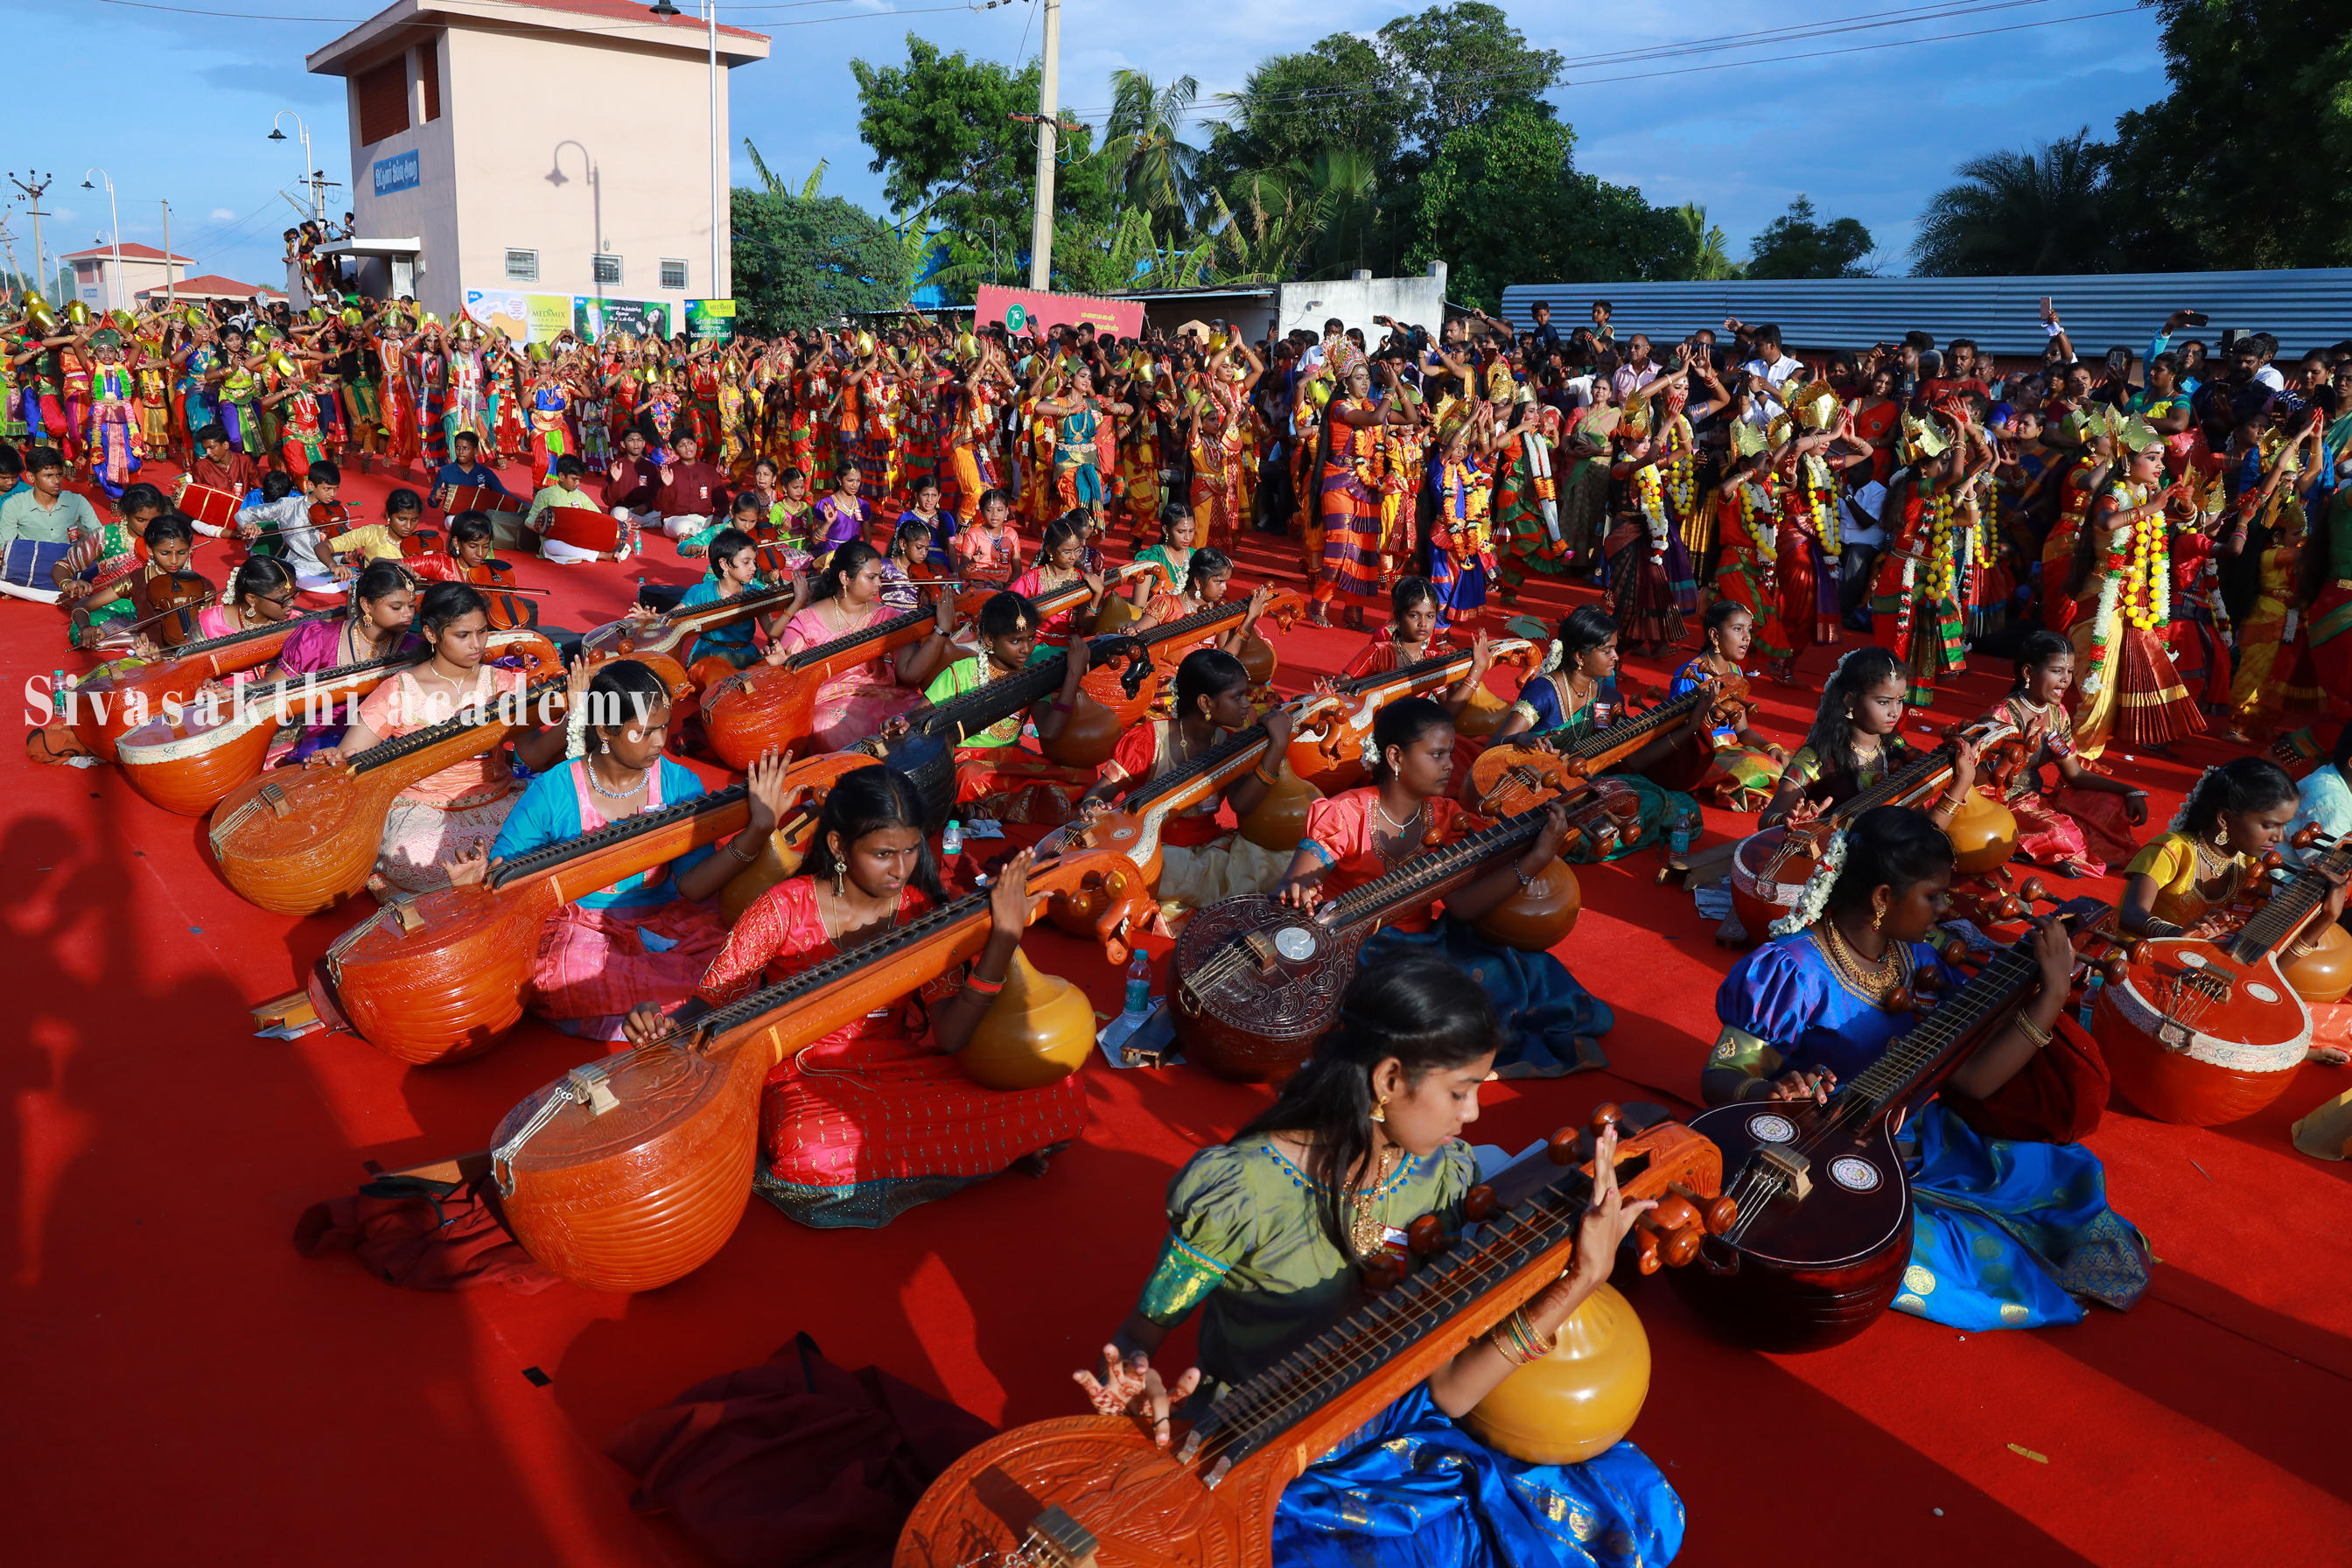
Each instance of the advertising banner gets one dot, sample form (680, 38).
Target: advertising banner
(524, 318)
(593, 317)
(710, 321)
(1022, 311)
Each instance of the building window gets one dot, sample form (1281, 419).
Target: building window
(674, 275)
(428, 73)
(522, 265)
(608, 269)
(382, 94)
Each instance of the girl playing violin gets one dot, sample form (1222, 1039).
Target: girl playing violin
(471, 550)
(111, 613)
(439, 819)
(1820, 1002)
(861, 1126)
(907, 562)
(1550, 1024)
(648, 937)
(1269, 1236)
(846, 599)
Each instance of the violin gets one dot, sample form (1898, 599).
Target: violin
(101, 709)
(301, 841)
(1097, 1488)
(1824, 1228)
(424, 542)
(510, 609)
(632, 1171)
(167, 606)
(442, 977)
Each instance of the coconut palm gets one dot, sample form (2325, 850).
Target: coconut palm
(2020, 213)
(1711, 258)
(1157, 172)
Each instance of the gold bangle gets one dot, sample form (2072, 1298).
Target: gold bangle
(2034, 1031)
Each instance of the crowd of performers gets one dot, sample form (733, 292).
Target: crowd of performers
(2085, 536)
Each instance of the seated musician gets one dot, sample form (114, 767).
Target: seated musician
(404, 514)
(2083, 824)
(2210, 858)
(1411, 636)
(442, 816)
(845, 600)
(1268, 1238)
(1061, 562)
(1550, 1024)
(116, 612)
(861, 1126)
(378, 624)
(261, 592)
(1575, 694)
(1173, 554)
(573, 528)
(996, 777)
(1201, 861)
(1747, 766)
(746, 514)
(1207, 577)
(110, 553)
(1815, 1006)
(648, 937)
(734, 568)
(907, 562)
(473, 545)
(1856, 741)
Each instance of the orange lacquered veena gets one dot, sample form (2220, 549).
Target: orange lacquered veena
(103, 708)
(1328, 749)
(440, 977)
(632, 1171)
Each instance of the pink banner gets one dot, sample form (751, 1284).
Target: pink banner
(1020, 311)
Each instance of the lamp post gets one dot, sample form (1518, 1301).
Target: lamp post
(310, 174)
(720, 287)
(114, 278)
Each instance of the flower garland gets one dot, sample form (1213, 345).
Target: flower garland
(1681, 469)
(1650, 498)
(1755, 502)
(2148, 581)
(1820, 497)
(1815, 898)
(1941, 574)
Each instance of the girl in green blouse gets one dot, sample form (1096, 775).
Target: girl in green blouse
(1269, 1238)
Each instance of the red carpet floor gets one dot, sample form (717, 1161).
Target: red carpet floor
(187, 1388)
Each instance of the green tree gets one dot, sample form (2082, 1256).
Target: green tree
(1503, 202)
(1799, 244)
(799, 261)
(1710, 253)
(1291, 107)
(2015, 213)
(1456, 65)
(1158, 171)
(2243, 164)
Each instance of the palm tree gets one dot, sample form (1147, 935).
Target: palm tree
(1158, 172)
(1711, 257)
(1341, 187)
(2020, 213)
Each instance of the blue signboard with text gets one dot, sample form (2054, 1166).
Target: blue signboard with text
(398, 173)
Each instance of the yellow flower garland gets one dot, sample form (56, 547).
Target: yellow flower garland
(2147, 569)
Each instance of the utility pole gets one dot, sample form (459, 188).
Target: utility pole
(170, 295)
(32, 188)
(1041, 230)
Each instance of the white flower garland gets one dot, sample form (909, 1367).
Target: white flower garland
(1371, 750)
(1554, 657)
(2179, 823)
(1816, 896)
(2111, 587)
(575, 732)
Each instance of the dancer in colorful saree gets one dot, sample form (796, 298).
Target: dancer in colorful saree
(1349, 498)
(1551, 1025)
(876, 1118)
(2006, 1233)
(1270, 1236)
(2130, 690)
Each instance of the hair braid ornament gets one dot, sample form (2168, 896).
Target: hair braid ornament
(2180, 823)
(575, 732)
(1816, 896)
(1554, 655)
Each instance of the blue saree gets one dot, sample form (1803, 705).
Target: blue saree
(1550, 1023)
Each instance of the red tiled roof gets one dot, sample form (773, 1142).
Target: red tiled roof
(132, 251)
(213, 286)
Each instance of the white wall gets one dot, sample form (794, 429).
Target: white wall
(1415, 302)
(427, 211)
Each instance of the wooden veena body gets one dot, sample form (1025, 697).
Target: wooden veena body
(772, 707)
(1329, 752)
(2206, 1032)
(1824, 1230)
(306, 838)
(107, 706)
(443, 976)
(1096, 1488)
(187, 763)
(632, 1171)
(1769, 868)
(1515, 771)
(1257, 982)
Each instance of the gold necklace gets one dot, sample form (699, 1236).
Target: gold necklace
(1879, 980)
(1365, 1231)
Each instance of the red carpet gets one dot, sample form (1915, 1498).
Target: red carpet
(187, 1388)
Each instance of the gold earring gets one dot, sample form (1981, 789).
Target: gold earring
(2221, 836)
(1380, 1112)
(1878, 921)
(840, 880)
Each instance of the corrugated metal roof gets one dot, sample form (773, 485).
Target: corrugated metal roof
(2305, 310)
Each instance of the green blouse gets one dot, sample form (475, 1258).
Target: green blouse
(1247, 1244)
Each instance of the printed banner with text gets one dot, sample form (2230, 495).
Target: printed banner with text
(1022, 311)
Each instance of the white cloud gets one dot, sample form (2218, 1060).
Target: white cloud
(223, 214)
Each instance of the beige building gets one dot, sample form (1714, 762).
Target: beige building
(541, 157)
(96, 283)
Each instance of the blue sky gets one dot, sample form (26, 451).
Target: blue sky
(181, 107)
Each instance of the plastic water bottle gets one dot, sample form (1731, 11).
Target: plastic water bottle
(2090, 995)
(951, 840)
(1138, 985)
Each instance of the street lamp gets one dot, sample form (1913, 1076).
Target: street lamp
(308, 173)
(114, 281)
(665, 10)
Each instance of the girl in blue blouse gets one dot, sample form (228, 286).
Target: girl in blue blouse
(2005, 1234)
